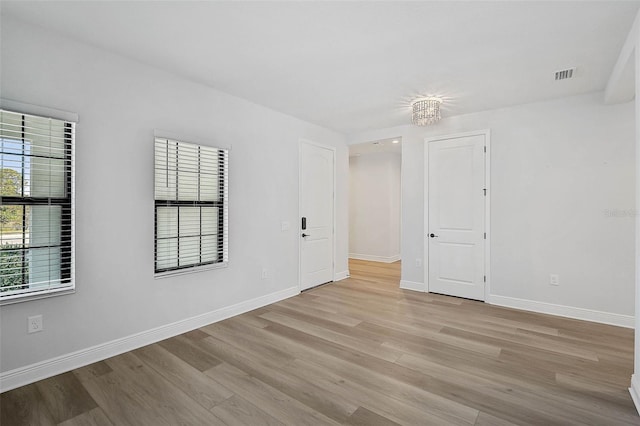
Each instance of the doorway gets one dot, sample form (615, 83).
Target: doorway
(374, 200)
(457, 215)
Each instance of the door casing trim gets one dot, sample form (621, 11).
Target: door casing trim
(487, 205)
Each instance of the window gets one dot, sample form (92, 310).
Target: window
(191, 186)
(36, 206)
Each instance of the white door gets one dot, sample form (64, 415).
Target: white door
(316, 210)
(456, 216)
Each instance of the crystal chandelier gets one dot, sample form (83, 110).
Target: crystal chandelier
(425, 111)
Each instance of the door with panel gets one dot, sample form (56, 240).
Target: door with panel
(317, 214)
(456, 235)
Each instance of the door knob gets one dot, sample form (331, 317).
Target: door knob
(433, 235)
(305, 235)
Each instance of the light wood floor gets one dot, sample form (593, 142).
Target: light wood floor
(357, 352)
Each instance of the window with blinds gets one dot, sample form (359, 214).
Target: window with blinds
(191, 197)
(36, 205)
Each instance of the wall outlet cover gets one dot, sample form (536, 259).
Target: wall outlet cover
(34, 324)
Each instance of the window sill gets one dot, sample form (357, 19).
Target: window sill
(39, 295)
(193, 270)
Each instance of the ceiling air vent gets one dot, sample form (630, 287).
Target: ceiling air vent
(565, 74)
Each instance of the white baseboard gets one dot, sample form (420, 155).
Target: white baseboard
(339, 276)
(634, 390)
(627, 321)
(372, 258)
(51, 367)
(412, 285)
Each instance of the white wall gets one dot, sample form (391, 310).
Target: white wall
(120, 102)
(562, 200)
(374, 206)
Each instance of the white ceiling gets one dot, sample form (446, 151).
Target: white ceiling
(355, 66)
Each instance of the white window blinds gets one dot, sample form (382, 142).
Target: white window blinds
(191, 205)
(36, 205)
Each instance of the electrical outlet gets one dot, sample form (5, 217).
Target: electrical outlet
(34, 324)
(554, 279)
(265, 273)
(418, 263)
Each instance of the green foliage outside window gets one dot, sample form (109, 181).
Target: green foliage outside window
(10, 185)
(11, 255)
(10, 265)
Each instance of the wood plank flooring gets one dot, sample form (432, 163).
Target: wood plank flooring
(356, 352)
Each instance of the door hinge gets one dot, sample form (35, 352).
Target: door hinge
(485, 278)
(485, 191)
(485, 235)
(485, 149)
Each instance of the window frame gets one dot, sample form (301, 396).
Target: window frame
(221, 204)
(66, 203)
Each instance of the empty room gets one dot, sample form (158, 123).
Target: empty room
(319, 213)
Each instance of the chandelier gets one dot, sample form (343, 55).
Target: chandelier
(425, 111)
